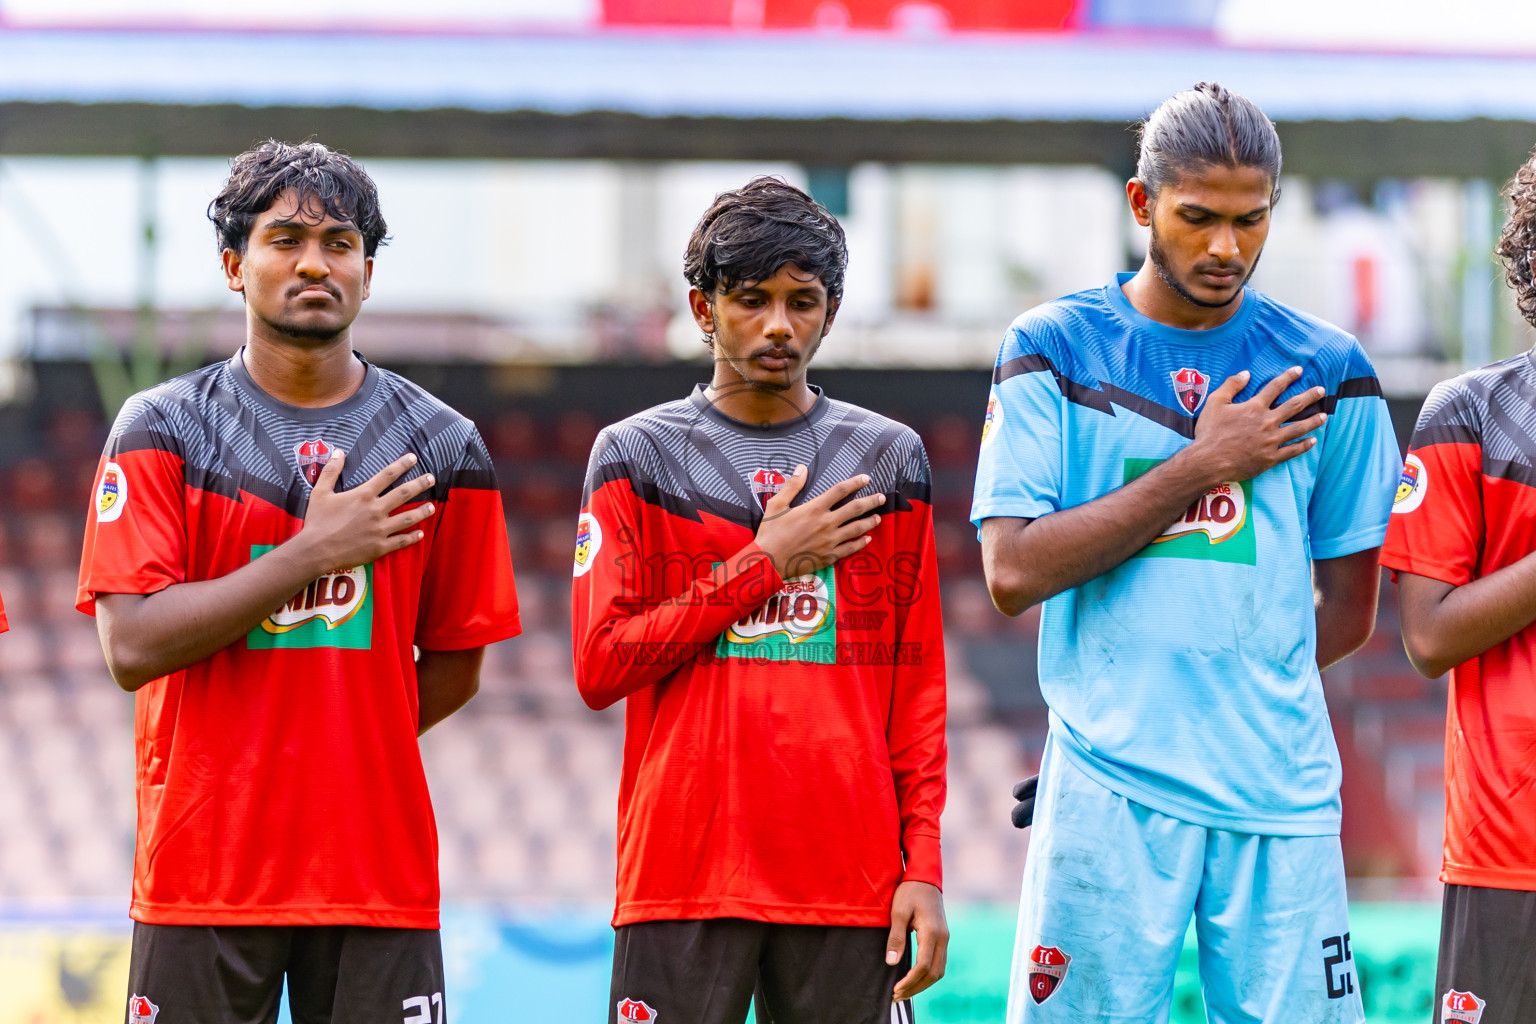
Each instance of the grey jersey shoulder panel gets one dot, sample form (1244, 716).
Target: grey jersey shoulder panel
(234, 441)
(690, 462)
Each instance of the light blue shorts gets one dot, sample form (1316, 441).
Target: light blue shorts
(1109, 887)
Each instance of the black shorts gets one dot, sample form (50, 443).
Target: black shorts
(337, 974)
(708, 972)
(1487, 969)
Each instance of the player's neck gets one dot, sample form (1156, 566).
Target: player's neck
(1151, 296)
(310, 376)
(741, 400)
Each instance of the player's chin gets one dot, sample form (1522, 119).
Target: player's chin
(313, 325)
(1216, 295)
(772, 379)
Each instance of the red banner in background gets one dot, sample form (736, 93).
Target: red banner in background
(878, 15)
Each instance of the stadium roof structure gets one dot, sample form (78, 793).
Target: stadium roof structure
(824, 99)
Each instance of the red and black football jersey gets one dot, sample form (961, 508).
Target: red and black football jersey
(1465, 508)
(784, 754)
(279, 782)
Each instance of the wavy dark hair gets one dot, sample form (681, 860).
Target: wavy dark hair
(1517, 242)
(1204, 127)
(747, 234)
(260, 174)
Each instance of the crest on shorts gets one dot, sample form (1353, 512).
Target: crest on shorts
(1047, 967)
(1190, 386)
(635, 1010)
(1461, 1007)
(765, 484)
(141, 1010)
(312, 456)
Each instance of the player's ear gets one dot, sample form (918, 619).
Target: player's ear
(234, 270)
(832, 307)
(703, 310)
(367, 274)
(1141, 202)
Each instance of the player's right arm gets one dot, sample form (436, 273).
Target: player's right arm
(627, 636)
(1028, 560)
(1435, 542)
(1446, 625)
(147, 636)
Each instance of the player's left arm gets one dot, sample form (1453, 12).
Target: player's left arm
(1358, 465)
(915, 733)
(1345, 590)
(445, 682)
(468, 594)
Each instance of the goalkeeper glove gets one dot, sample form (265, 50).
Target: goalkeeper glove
(1024, 810)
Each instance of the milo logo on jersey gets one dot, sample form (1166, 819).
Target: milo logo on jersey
(335, 610)
(1217, 526)
(799, 623)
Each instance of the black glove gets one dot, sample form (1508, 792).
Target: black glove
(1024, 810)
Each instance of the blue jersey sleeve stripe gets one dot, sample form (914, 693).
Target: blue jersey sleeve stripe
(1355, 387)
(1102, 398)
(1360, 387)
(1032, 363)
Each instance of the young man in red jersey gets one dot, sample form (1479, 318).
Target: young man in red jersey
(755, 574)
(1460, 545)
(270, 538)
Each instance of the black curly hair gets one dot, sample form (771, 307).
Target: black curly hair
(747, 234)
(260, 174)
(1517, 242)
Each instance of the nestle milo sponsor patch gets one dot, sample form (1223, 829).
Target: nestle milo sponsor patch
(798, 623)
(1217, 526)
(335, 610)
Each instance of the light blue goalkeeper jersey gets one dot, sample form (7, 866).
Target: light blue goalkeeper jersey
(1186, 678)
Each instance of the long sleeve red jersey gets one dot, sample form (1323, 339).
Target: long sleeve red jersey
(784, 750)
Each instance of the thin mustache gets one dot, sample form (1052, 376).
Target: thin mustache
(314, 284)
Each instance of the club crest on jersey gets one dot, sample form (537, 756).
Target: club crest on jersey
(141, 1010)
(1190, 386)
(589, 540)
(111, 493)
(765, 484)
(992, 422)
(312, 456)
(635, 1010)
(1047, 968)
(1411, 486)
(1463, 1007)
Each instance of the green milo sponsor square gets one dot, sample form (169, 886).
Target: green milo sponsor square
(335, 610)
(1217, 526)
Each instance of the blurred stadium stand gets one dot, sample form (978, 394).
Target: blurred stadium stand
(525, 779)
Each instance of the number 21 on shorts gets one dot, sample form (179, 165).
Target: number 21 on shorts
(428, 1010)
